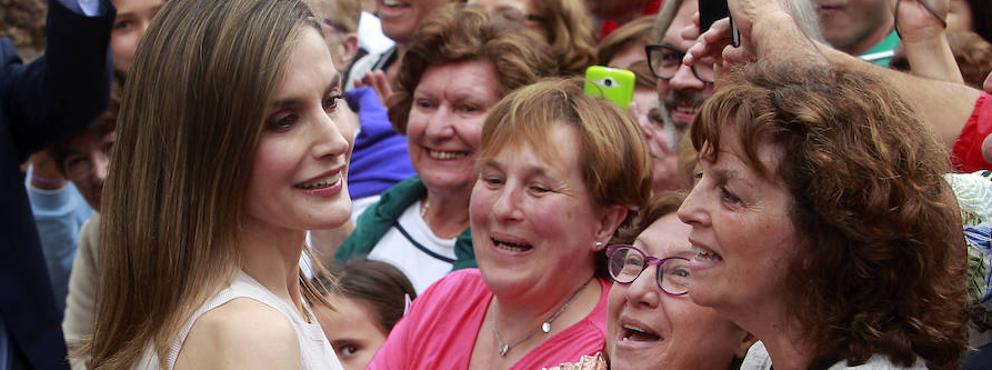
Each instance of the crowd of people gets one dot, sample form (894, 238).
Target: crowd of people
(426, 184)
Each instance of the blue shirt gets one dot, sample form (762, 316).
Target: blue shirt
(380, 158)
(59, 215)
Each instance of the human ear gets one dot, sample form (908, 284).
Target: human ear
(350, 48)
(609, 222)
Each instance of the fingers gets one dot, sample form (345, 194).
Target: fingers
(378, 81)
(690, 33)
(382, 85)
(710, 44)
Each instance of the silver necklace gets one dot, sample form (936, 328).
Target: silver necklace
(545, 326)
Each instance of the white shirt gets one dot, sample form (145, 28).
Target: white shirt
(315, 350)
(423, 264)
(758, 359)
(370, 36)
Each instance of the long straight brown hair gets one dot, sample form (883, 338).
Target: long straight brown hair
(190, 120)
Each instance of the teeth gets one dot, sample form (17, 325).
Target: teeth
(510, 246)
(444, 156)
(323, 183)
(637, 334)
(392, 3)
(633, 328)
(705, 254)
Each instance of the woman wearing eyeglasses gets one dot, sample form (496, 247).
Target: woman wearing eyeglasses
(552, 189)
(653, 323)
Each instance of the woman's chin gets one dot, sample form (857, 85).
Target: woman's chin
(332, 217)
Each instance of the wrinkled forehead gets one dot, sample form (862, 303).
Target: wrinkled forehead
(666, 237)
(752, 150)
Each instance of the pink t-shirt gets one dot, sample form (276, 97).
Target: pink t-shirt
(439, 330)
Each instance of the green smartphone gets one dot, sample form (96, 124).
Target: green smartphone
(613, 84)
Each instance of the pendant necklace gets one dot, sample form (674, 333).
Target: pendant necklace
(545, 326)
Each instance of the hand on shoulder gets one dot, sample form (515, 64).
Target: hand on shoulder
(240, 334)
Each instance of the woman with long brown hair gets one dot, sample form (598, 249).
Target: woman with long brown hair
(229, 148)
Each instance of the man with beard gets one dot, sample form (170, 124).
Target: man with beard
(683, 89)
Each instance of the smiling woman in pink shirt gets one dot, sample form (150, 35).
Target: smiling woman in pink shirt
(551, 192)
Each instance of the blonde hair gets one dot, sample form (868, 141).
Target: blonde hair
(196, 98)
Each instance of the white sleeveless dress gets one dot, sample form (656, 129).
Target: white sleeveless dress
(315, 350)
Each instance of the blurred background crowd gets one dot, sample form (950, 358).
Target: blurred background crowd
(425, 184)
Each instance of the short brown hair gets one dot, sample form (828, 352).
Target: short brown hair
(614, 159)
(571, 34)
(456, 33)
(882, 268)
(615, 163)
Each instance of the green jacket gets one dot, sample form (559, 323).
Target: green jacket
(379, 218)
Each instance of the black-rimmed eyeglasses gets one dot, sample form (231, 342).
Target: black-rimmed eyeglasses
(626, 263)
(665, 60)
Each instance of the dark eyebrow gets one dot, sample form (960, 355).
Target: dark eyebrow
(296, 101)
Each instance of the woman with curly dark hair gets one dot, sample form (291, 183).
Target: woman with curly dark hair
(821, 223)
(564, 24)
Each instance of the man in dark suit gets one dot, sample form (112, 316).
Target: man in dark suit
(42, 103)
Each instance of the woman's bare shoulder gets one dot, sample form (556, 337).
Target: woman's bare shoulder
(241, 334)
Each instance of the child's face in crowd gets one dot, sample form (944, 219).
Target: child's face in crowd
(352, 330)
(133, 18)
